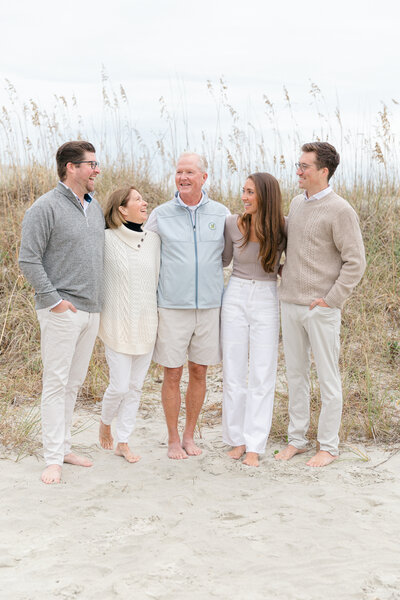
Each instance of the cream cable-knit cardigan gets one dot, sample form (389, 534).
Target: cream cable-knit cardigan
(128, 321)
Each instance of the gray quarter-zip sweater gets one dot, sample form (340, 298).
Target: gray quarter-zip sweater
(62, 248)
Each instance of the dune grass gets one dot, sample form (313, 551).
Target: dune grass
(370, 356)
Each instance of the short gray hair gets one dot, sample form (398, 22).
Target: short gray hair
(201, 160)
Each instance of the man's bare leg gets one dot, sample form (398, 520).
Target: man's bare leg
(321, 459)
(251, 459)
(52, 474)
(195, 394)
(288, 452)
(237, 452)
(105, 436)
(123, 449)
(171, 401)
(79, 461)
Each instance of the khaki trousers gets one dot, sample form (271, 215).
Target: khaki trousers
(318, 330)
(67, 341)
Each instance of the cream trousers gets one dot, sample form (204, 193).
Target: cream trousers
(318, 330)
(250, 333)
(67, 341)
(122, 397)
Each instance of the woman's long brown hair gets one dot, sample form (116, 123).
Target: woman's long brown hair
(269, 221)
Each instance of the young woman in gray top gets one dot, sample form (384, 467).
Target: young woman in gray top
(250, 317)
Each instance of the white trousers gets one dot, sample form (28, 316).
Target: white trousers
(122, 396)
(318, 330)
(67, 341)
(250, 334)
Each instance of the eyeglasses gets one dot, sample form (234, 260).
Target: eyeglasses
(302, 166)
(93, 163)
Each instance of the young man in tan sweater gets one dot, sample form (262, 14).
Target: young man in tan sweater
(325, 260)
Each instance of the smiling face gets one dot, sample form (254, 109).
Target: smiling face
(311, 179)
(189, 179)
(135, 209)
(80, 178)
(249, 198)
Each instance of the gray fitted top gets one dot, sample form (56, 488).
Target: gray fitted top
(246, 264)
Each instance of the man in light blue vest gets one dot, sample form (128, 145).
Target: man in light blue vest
(191, 227)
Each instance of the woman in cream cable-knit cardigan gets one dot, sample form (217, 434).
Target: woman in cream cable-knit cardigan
(128, 322)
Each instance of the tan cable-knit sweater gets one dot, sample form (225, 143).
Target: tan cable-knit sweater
(325, 255)
(128, 321)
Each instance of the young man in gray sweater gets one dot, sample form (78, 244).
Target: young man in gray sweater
(325, 260)
(61, 256)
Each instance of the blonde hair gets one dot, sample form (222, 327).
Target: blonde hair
(112, 214)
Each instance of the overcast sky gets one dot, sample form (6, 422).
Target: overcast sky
(171, 48)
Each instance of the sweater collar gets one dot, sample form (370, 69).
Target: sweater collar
(68, 193)
(318, 195)
(134, 239)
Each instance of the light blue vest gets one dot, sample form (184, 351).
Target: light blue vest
(191, 273)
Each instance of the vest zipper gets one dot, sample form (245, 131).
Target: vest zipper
(197, 261)
(192, 217)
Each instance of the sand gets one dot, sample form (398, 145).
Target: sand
(207, 527)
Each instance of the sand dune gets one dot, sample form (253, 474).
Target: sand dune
(202, 528)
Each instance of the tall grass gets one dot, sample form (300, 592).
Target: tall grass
(368, 178)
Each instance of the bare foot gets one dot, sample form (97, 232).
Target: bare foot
(176, 451)
(251, 459)
(80, 461)
(190, 447)
(321, 459)
(125, 451)
(52, 474)
(105, 437)
(288, 452)
(237, 452)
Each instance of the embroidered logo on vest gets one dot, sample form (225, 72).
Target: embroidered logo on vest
(212, 225)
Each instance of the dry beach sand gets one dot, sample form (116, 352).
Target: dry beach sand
(206, 527)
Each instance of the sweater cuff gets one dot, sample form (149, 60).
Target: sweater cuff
(333, 300)
(47, 300)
